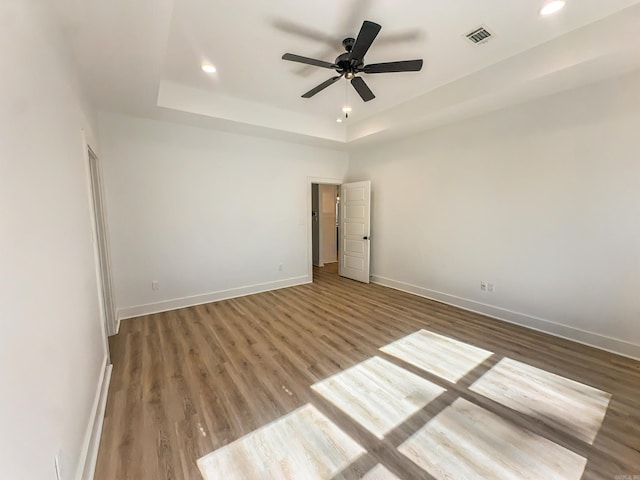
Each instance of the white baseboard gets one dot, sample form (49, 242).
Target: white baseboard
(174, 304)
(87, 464)
(602, 342)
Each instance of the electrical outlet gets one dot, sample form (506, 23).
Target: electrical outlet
(155, 285)
(483, 286)
(491, 287)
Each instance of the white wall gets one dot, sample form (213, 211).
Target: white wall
(51, 346)
(543, 200)
(207, 214)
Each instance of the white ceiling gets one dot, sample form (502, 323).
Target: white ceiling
(143, 58)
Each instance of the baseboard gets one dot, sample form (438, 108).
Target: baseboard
(87, 464)
(174, 304)
(584, 337)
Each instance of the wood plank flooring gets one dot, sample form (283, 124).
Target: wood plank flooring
(492, 446)
(188, 382)
(285, 443)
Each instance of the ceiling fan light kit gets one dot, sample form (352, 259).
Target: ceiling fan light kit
(351, 63)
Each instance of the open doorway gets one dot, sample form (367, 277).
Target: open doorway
(325, 200)
(352, 233)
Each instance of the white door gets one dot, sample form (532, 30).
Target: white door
(355, 230)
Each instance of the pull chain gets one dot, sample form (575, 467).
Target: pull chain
(346, 108)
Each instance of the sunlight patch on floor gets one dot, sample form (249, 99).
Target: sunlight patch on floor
(378, 394)
(442, 356)
(571, 406)
(379, 472)
(464, 440)
(303, 444)
(467, 441)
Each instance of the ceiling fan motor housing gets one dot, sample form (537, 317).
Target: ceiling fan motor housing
(346, 66)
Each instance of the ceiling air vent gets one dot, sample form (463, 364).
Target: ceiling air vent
(479, 35)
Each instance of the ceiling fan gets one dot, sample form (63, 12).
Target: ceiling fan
(351, 63)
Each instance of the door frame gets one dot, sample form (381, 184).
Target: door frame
(109, 328)
(319, 181)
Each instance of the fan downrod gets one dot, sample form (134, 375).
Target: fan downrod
(348, 43)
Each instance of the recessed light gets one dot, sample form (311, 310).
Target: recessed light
(552, 7)
(339, 120)
(207, 67)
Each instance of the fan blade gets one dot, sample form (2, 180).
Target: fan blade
(362, 88)
(367, 35)
(404, 66)
(309, 61)
(321, 87)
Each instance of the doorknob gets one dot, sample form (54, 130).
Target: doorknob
(365, 238)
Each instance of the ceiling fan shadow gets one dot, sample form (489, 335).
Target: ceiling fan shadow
(309, 33)
(347, 28)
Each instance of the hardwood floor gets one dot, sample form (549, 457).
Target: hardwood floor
(240, 372)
